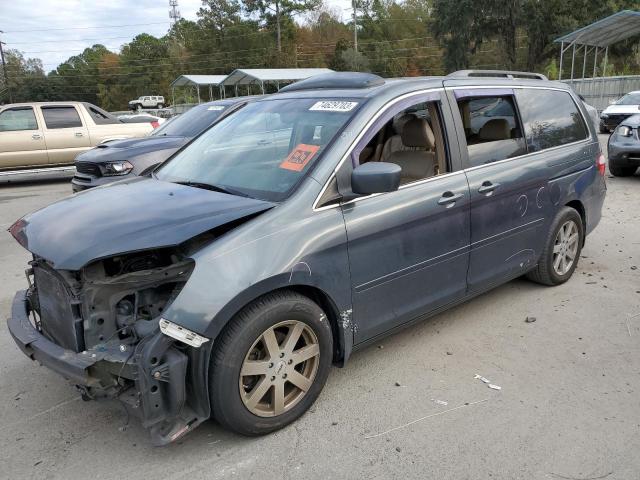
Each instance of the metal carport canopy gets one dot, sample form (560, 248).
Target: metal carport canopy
(607, 31)
(599, 35)
(199, 80)
(249, 76)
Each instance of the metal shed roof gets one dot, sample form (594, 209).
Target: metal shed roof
(200, 80)
(247, 76)
(607, 31)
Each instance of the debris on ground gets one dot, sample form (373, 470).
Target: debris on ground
(495, 387)
(484, 380)
(449, 353)
(530, 319)
(440, 402)
(488, 382)
(398, 384)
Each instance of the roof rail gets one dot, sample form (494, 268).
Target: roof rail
(498, 73)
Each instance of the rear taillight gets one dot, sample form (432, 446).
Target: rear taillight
(155, 124)
(601, 164)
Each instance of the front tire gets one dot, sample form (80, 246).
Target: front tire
(561, 253)
(270, 363)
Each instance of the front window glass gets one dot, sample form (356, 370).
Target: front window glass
(192, 122)
(264, 149)
(16, 119)
(629, 99)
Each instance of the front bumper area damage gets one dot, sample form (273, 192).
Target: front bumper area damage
(99, 328)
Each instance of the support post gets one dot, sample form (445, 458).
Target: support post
(604, 73)
(210, 93)
(262, 85)
(584, 62)
(198, 89)
(561, 58)
(573, 58)
(595, 63)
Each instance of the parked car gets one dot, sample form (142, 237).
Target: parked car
(624, 147)
(127, 158)
(615, 113)
(51, 134)
(228, 282)
(142, 118)
(153, 101)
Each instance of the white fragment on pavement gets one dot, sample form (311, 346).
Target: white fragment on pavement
(485, 380)
(495, 387)
(424, 418)
(439, 402)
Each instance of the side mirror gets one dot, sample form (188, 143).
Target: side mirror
(375, 177)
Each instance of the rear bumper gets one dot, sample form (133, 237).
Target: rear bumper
(71, 365)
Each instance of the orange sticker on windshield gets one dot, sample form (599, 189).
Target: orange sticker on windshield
(299, 157)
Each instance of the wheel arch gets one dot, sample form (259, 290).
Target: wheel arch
(579, 207)
(342, 338)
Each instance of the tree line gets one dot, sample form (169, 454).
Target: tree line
(394, 38)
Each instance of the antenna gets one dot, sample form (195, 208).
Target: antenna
(174, 13)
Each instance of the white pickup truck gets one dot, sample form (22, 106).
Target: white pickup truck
(147, 101)
(49, 135)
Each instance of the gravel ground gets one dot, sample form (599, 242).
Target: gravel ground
(409, 407)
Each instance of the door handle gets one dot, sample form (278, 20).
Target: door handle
(78, 134)
(487, 187)
(449, 198)
(263, 142)
(36, 136)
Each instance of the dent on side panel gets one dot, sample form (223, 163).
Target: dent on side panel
(279, 249)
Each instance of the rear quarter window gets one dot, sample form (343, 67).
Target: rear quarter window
(551, 118)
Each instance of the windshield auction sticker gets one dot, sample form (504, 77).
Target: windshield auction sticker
(333, 106)
(299, 157)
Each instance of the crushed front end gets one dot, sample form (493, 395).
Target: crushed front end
(100, 328)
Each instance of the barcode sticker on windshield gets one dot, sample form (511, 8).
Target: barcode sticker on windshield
(299, 157)
(216, 107)
(333, 106)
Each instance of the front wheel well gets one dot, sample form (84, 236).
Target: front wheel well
(329, 308)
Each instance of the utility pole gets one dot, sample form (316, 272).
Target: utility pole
(174, 13)
(355, 26)
(4, 70)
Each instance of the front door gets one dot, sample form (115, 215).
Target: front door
(409, 249)
(21, 139)
(65, 134)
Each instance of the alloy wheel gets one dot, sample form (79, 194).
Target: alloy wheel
(279, 368)
(565, 247)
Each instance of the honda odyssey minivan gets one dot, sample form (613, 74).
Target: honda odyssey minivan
(301, 228)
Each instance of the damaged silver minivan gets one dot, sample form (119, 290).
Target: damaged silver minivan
(305, 225)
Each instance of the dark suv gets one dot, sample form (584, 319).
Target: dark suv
(119, 159)
(302, 227)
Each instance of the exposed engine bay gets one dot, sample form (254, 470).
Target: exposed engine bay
(109, 311)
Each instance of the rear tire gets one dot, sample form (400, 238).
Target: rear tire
(561, 252)
(270, 363)
(160, 105)
(618, 171)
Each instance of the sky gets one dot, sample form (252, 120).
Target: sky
(54, 30)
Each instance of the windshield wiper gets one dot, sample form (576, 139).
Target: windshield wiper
(213, 188)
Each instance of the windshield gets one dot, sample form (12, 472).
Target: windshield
(262, 150)
(192, 122)
(629, 99)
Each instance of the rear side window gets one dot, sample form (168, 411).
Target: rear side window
(492, 129)
(99, 116)
(551, 118)
(16, 119)
(61, 117)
